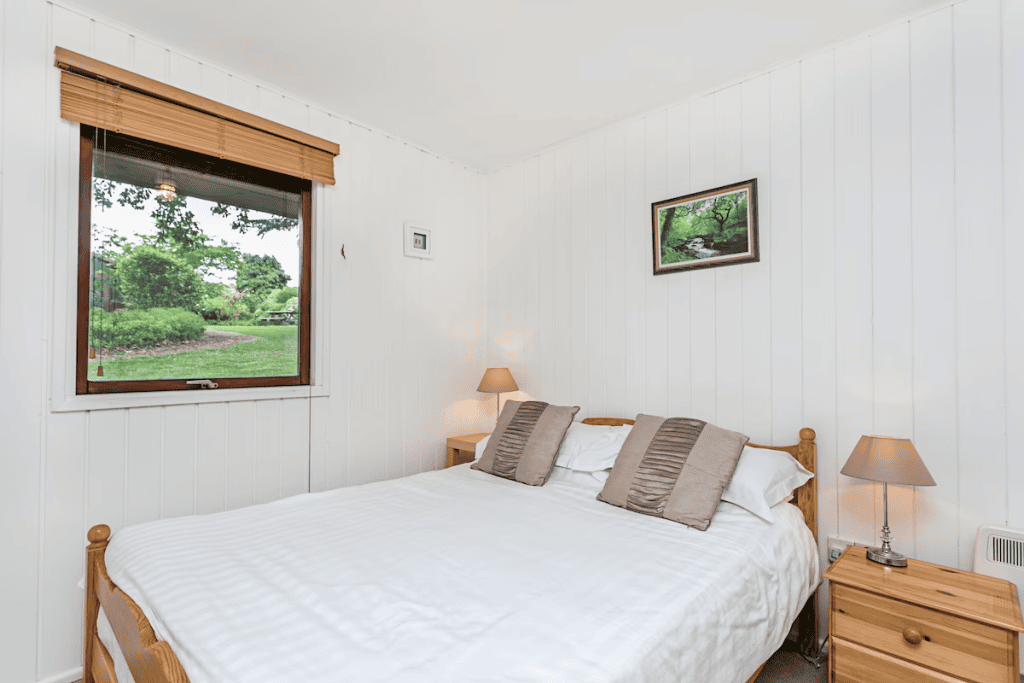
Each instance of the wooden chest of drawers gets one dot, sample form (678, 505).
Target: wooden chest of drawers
(922, 622)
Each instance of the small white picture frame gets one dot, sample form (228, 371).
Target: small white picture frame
(419, 243)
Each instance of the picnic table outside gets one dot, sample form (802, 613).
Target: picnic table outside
(280, 318)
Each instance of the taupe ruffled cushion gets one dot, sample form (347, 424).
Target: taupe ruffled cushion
(676, 468)
(525, 441)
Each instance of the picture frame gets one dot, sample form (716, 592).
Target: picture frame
(706, 229)
(418, 242)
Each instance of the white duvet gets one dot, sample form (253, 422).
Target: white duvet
(458, 575)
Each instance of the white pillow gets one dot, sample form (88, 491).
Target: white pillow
(590, 481)
(585, 448)
(480, 446)
(591, 448)
(764, 478)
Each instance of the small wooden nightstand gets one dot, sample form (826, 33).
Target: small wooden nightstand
(463, 448)
(921, 622)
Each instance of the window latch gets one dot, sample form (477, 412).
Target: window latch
(203, 383)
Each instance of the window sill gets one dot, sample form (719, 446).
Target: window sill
(80, 403)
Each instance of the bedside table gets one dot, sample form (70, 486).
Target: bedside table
(462, 449)
(921, 622)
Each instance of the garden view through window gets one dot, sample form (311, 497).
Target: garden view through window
(192, 275)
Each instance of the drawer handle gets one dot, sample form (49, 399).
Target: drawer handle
(912, 635)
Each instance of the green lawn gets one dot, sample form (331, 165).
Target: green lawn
(274, 353)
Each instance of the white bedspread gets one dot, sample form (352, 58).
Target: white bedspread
(457, 575)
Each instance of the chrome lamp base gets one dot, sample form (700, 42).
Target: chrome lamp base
(887, 557)
(884, 554)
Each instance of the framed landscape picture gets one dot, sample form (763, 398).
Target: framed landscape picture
(706, 229)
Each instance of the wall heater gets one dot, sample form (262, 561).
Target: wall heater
(999, 552)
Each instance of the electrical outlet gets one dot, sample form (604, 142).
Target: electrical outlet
(837, 545)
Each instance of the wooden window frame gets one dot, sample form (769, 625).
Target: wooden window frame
(205, 164)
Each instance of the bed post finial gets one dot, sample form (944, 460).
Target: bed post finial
(807, 434)
(99, 534)
(98, 537)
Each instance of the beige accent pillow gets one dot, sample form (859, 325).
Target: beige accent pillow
(676, 468)
(525, 441)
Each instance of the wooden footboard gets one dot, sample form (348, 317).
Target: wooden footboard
(149, 659)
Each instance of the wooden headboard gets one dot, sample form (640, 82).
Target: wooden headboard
(805, 452)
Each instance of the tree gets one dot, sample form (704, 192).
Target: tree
(258, 276)
(149, 277)
(174, 221)
(719, 209)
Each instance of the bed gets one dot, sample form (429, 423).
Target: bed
(452, 575)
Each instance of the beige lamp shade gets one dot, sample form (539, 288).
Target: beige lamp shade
(497, 380)
(889, 460)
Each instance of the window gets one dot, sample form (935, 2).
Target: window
(194, 270)
(194, 239)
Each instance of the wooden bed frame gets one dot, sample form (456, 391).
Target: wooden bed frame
(153, 661)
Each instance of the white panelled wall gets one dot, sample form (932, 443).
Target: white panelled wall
(887, 298)
(405, 347)
(888, 295)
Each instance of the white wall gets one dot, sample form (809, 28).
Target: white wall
(406, 338)
(888, 295)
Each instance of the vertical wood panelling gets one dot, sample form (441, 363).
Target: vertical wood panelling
(398, 268)
(295, 442)
(183, 73)
(854, 379)
(329, 462)
(240, 474)
(547, 267)
(728, 314)
(578, 238)
(366, 409)
(784, 243)
(597, 286)
(145, 465)
(106, 482)
(179, 461)
(678, 324)
(149, 59)
(267, 444)
(980, 278)
(23, 206)
(884, 301)
(757, 311)
(1013, 177)
(892, 285)
(933, 213)
(211, 457)
(112, 45)
(655, 161)
(817, 241)
(562, 281)
(63, 551)
(412, 281)
(638, 231)
(527, 273)
(703, 338)
(614, 275)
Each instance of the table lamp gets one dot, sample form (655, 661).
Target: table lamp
(890, 461)
(495, 381)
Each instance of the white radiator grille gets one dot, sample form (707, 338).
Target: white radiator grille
(1006, 550)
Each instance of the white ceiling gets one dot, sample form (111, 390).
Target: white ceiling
(487, 82)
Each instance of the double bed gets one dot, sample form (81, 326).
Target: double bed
(453, 575)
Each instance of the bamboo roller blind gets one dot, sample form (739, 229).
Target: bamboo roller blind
(128, 103)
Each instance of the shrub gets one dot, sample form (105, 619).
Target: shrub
(145, 327)
(229, 306)
(152, 278)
